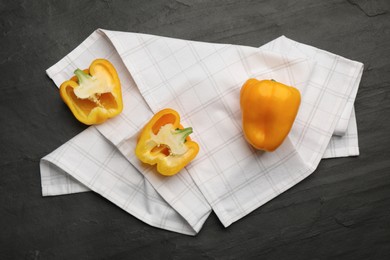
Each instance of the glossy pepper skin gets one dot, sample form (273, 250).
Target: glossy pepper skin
(94, 94)
(268, 112)
(164, 142)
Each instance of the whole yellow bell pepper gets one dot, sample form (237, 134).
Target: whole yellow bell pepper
(164, 142)
(94, 95)
(268, 111)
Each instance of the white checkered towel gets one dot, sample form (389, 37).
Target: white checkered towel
(202, 82)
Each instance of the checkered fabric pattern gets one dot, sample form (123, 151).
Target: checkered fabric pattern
(202, 82)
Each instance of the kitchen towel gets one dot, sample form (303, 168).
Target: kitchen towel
(202, 82)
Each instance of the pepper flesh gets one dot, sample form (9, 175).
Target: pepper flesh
(164, 142)
(269, 109)
(94, 94)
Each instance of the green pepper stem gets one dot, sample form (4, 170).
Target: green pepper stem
(184, 133)
(82, 76)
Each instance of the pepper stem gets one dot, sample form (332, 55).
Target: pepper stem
(184, 133)
(82, 76)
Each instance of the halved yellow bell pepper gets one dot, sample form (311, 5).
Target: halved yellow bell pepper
(164, 142)
(93, 95)
(268, 111)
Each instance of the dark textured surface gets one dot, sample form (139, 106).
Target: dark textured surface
(341, 211)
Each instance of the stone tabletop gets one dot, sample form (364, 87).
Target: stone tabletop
(341, 211)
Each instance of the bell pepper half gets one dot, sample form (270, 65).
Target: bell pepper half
(94, 94)
(268, 112)
(164, 142)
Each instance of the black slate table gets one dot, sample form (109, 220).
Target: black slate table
(342, 211)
